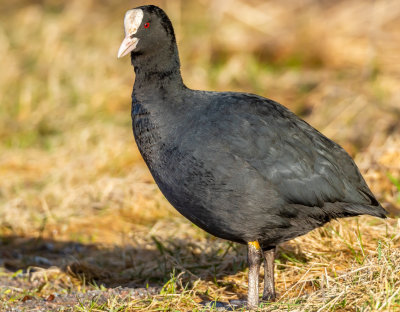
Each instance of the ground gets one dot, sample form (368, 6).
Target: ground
(83, 227)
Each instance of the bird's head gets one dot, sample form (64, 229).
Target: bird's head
(147, 30)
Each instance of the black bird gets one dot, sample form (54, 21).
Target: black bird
(240, 166)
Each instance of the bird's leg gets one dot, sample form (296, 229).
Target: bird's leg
(254, 257)
(269, 282)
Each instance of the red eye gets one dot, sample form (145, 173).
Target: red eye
(146, 25)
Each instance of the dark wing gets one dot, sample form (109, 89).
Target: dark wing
(302, 165)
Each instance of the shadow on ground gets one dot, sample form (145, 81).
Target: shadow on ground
(150, 265)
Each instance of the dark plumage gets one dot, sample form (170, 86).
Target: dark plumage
(242, 167)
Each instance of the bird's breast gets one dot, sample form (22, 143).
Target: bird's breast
(146, 133)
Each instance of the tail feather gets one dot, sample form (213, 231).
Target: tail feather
(372, 210)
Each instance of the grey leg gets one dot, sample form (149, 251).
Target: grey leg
(254, 258)
(269, 281)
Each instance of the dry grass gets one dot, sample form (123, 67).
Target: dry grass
(78, 208)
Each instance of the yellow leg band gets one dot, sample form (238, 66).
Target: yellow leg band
(255, 244)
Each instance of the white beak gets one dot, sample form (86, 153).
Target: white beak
(127, 45)
(132, 20)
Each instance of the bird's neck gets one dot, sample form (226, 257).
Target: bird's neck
(157, 70)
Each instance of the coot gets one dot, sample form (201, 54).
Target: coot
(240, 166)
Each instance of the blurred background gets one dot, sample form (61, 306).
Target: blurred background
(69, 167)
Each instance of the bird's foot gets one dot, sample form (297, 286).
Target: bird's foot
(241, 304)
(269, 297)
(215, 305)
(232, 305)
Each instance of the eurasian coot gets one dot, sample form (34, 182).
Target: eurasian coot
(240, 166)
